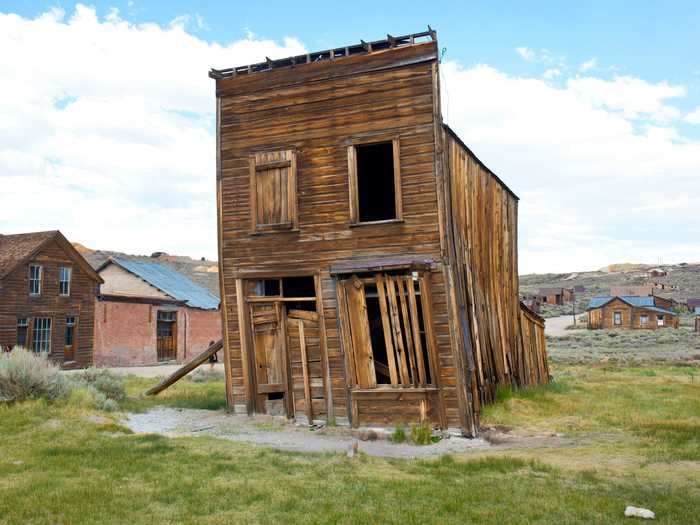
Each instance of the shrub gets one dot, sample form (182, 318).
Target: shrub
(26, 375)
(399, 435)
(102, 381)
(423, 434)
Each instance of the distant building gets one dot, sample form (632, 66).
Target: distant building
(148, 313)
(630, 313)
(532, 302)
(555, 295)
(693, 305)
(657, 272)
(579, 289)
(642, 290)
(47, 297)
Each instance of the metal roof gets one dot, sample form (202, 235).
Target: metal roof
(646, 302)
(170, 282)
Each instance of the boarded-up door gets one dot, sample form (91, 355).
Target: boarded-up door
(270, 359)
(304, 346)
(353, 312)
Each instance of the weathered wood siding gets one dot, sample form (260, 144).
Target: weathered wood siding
(15, 302)
(316, 110)
(484, 215)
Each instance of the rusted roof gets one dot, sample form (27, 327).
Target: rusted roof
(18, 248)
(337, 53)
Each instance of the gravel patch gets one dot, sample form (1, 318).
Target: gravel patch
(266, 431)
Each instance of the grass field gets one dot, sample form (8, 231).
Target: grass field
(634, 437)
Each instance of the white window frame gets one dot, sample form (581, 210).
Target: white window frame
(37, 279)
(617, 318)
(660, 321)
(67, 270)
(41, 334)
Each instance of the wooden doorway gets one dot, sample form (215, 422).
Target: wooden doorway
(166, 335)
(270, 359)
(306, 360)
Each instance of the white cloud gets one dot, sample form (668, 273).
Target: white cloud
(109, 134)
(596, 186)
(634, 97)
(552, 73)
(694, 116)
(589, 64)
(526, 53)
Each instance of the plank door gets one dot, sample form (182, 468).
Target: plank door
(166, 335)
(269, 353)
(304, 346)
(356, 332)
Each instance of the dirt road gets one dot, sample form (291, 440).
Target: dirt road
(556, 326)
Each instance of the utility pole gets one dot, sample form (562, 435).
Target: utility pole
(573, 305)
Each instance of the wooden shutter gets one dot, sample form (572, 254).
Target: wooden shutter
(273, 195)
(354, 318)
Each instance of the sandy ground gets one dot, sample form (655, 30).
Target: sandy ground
(275, 432)
(556, 326)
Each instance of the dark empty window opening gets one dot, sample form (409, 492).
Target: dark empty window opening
(376, 191)
(266, 288)
(299, 287)
(376, 332)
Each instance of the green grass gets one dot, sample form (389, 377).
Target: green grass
(638, 445)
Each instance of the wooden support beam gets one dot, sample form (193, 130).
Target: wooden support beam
(185, 369)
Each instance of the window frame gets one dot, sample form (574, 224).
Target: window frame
(73, 325)
(643, 319)
(22, 323)
(660, 320)
(353, 192)
(39, 279)
(69, 282)
(37, 329)
(617, 318)
(256, 165)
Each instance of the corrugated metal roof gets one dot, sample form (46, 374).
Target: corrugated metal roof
(171, 282)
(633, 300)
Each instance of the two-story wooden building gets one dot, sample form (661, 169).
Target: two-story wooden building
(368, 259)
(47, 297)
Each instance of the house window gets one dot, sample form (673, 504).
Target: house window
(22, 331)
(41, 334)
(617, 318)
(375, 182)
(64, 277)
(643, 320)
(35, 274)
(70, 330)
(166, 335)
(273, 191)
(383, 322)
(659, 320)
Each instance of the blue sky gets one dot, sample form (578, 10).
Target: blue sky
(590, 111)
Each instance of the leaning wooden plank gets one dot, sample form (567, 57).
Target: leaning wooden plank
(386, 326)
(305, 369)
(359, 331)
(415, 324)
(185, 369)
(407, 329)
(396, 331)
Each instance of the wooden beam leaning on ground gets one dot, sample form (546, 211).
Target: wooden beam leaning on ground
(185, 369)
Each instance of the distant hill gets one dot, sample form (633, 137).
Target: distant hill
(203, 272)
(685, 276)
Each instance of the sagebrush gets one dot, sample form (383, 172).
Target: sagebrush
(28, 375)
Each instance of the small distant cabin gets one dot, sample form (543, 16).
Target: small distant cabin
(532, 302)
(579, 289)
(657, 272)
(368, 258)
(630, 313)
(693, 305)
(555, 296)
(47, 297)
(149, 313)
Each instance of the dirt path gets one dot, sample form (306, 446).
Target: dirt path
(556, 326)
(278, 433)
(152, 371)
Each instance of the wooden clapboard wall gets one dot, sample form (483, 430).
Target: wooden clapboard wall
(484, 257)
(315, 109)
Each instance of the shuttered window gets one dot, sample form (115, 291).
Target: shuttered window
(273, 195)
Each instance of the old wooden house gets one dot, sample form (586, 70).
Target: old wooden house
(630, 313)
(555, 296)
(369, 262)
(47, 297)
(148, 313)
